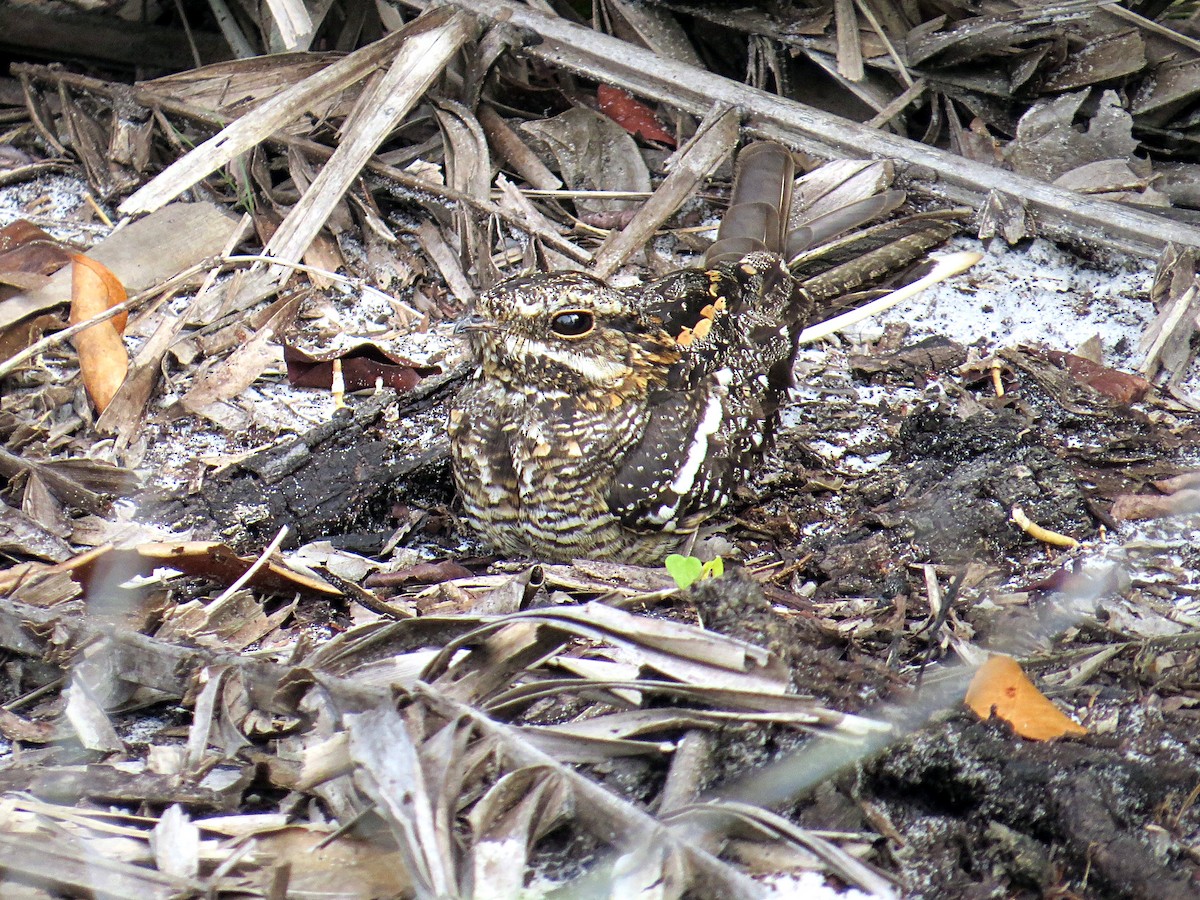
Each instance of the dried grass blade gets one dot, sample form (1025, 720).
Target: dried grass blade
(776, 827)
(388, 770)
(849, 44)
(270, 117)
(78, 871)
(419, 60)
(598, 810)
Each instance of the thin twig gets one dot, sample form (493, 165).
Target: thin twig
(263, 559)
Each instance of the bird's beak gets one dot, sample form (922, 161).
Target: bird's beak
(473, 322)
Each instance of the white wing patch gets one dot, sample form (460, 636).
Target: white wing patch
(697, 452)
(699, 449)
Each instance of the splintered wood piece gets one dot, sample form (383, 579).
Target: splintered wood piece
(418, 61)
(260, 124)
(1170, 335)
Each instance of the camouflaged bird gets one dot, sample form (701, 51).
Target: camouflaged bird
(610, 424)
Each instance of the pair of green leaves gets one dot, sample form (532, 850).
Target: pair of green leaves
(686, 570)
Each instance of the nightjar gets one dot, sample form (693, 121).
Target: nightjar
(610, 424)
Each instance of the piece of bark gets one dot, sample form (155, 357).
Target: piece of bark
(319, 482)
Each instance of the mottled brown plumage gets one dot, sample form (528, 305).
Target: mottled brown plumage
(610, 424)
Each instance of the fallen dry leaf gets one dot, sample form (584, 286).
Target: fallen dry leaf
(632, 115)
(1138, 507)
(1002, 689)
(421, 573)
(363, 366)
(1112, 383)
(28, 255)
(103, 359)
(26, 333)
(107, 566)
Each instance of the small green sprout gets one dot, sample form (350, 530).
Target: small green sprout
(688, 569)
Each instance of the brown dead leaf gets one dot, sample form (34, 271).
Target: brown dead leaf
(245, 364)
(347, 866)
(1119, 386)
(1180, 482)
(593, 153)
(1138, 507)
(1048, 144)
(28, 255)
(421, 573)
(103, 359)
(363, 366)
(1001, 688)
(25, 334)
(206, 559)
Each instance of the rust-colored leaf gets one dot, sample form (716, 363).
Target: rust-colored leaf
(1002, 689)
(103, 359)
(632, 115)
(1119, 386)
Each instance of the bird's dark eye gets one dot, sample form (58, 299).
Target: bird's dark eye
(575, 323)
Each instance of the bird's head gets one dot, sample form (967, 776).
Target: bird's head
(568, 332)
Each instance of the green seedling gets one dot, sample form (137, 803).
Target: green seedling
(686, 570)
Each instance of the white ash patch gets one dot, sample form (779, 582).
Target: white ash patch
(332, 326)
(141, 728)
(1034, 294)
(437, 346)
(281, 407)
(176, 452)
(809, 885)
(55, 204)
(853, 417)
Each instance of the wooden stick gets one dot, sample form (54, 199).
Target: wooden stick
(934, 172)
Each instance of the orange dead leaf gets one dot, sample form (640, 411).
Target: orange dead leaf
(104, 566)
(632, 115)
(1001, 686)
(103, 359)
